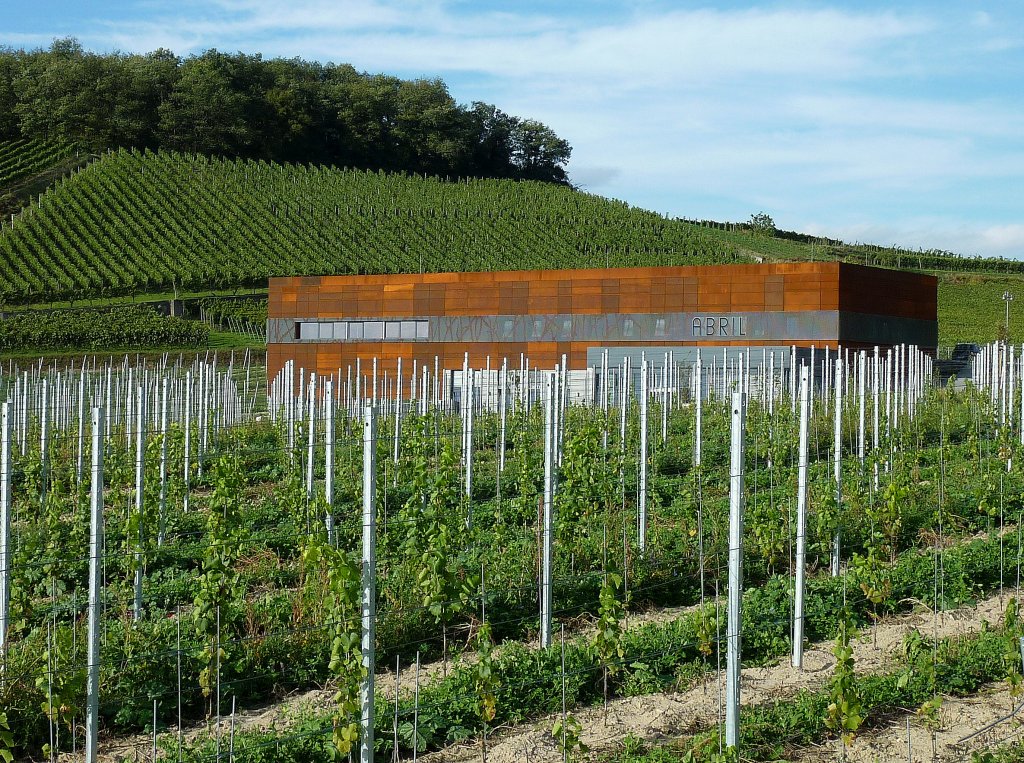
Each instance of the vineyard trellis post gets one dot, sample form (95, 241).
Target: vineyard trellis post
(861, 430)
(162, 518)
(369, 607)
(5, 531)
(734, 618)
(549, 490)
(311, 438)
(874, 413)
(95, 581)
(80, 465)
(329, 461)
(642, 487)
(187, 451)
(698, 387)
(801, 524)
(503, 414)
(468, 389)
(837, 447)
(398, 416)
(44, 441)
(140, 495)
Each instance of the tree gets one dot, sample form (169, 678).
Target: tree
(538, 152)
(490, 131)
(10, 63)
(762, 224)
(205, 112)
(278, 110)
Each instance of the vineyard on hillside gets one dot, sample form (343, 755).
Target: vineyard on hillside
(20, 159)
(241, 531)
(137, 222)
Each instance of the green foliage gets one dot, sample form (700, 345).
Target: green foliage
(762, 224)
(485, 680)
(61, 679)
(24, 158)
(433, 521)
(6, 740)
(251, 312)
(118, 227)
(845, 711)
(94, 330)
(568, 736)
(584, 483)
(339, 574)
(608, 636)
(284, 110)
(218, 588)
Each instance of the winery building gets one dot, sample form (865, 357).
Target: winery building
(326, 323)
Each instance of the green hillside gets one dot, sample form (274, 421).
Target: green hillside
(22, 159)
(133, 223)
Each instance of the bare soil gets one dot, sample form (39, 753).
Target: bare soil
(661, 717)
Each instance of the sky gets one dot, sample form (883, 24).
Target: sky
(880, 122)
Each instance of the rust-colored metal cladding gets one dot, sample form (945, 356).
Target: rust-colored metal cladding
(327, 323)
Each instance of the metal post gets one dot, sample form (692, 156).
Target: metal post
(698, 404)
(467, 395)
(642, 498)
(5, 530)
(95, 571)
(503, 414)
(876, 365)
(801, 524)
(44, 440)
(311, 438)
(398, 415)
(329, 461)
(549, 489)
(735, 621)
(369, 608)
(861, 430)
(140, 495)
(187, 454)
(837, 459)
(162, 520)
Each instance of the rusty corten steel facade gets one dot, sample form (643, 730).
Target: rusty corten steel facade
(548, 313)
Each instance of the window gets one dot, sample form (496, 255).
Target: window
(343, 331)
(659, 327)
(628, 328)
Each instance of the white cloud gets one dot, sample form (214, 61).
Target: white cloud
(996, 240)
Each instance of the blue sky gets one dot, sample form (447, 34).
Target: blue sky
(869, 121)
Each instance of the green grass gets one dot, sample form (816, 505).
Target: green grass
(971, 308)
(220, 341)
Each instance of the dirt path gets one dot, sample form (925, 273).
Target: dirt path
(955, 739)
(665, 716)
(278, 712)
(650, 717)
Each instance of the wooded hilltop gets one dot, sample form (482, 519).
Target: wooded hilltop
(285, 110)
